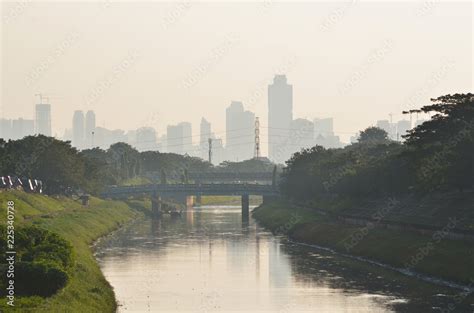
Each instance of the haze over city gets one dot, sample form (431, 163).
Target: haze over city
(237, 156)
(157, 64)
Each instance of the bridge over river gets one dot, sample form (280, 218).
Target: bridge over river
(182, 191)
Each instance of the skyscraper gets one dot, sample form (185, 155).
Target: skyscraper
(146, 139)
(43, 119)
(78, 129)
(178, 138)
(403, 127)
(239, 132)
(387, 126)
(280, 116)
(90, 129)
(204, 135)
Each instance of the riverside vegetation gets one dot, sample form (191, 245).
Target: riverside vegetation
(53, 237)
(426, 182)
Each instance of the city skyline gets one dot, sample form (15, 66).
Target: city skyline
(379, 68)
(240, 133)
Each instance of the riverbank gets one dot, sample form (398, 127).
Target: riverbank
(87, 290)
(430, 255)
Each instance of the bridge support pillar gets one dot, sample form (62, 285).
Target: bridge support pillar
(198, 200)
(245, 206)
(155, 207)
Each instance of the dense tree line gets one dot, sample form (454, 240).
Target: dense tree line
(65, 170)
(437, 155)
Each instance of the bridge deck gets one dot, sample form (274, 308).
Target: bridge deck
(190, 189)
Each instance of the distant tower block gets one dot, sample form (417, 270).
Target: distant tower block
(43, 117)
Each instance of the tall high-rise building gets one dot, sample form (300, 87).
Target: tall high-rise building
(179, 138)
(239, 132)
(90, 129)
(204, 135)
(387, 126)
(78, 129)
(146, 139)
(43, 119)
(280, 116)
(187, 137)
(403, 127)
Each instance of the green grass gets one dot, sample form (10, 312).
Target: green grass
(87, 289)
(228, 200)
(449, 259)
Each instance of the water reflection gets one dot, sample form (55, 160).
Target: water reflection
(211, 260)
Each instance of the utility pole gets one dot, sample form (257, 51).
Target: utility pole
(257, 138)
(210, 149)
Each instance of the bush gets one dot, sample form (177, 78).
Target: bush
(43, 260)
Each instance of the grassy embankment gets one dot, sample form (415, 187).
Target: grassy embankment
(228, 200)
(87, 290)
(448, 259)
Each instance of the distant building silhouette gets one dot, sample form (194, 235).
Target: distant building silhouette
(43, 119)
(179, 138)
(16, 128)
(90, 129)
(239, 132)
(104, 137)
(403, 127)
(324, 133)
(5, 128)
(78, 129)
(280, 116)
(22, 128)
(301, 134)
(388, 127)
(146, 139)
(204, 135)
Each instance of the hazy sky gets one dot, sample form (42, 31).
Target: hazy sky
(154, 63)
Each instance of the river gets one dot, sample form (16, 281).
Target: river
(209, 260)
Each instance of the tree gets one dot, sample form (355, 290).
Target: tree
(373, 135)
